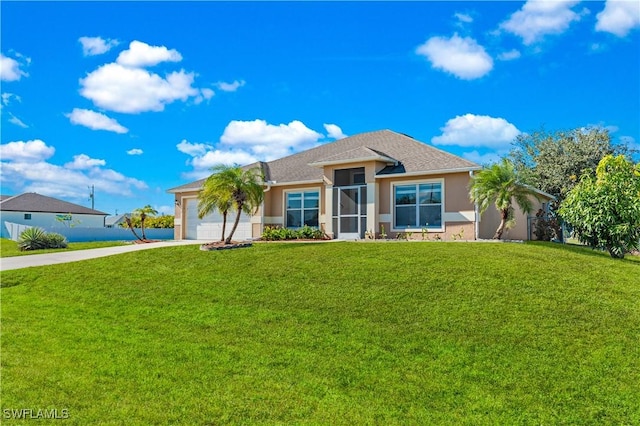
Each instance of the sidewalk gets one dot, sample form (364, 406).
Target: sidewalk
(18, 262)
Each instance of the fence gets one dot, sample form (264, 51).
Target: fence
(78, 234)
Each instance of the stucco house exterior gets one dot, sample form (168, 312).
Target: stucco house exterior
(33, 209)
(360, 184)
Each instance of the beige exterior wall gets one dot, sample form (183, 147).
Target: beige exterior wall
(490, 220)
(459, 211)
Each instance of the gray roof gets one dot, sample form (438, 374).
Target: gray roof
(410, 156)
(116, 219)
(36, 203)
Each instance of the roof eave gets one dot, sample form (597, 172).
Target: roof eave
(430, 172)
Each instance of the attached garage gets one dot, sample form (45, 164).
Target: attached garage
(210, 226)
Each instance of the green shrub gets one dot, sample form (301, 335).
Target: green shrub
(32, 239)
(37, 239)
(55, 240)
(275, 233)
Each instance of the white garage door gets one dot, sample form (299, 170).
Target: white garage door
(210, 226)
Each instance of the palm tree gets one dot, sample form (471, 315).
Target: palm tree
(216, 195)
(499, 184)
(232, 187)
(144, 212)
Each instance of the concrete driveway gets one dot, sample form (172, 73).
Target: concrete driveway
(18, 262)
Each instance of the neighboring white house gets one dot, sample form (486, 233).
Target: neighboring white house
(38, 210)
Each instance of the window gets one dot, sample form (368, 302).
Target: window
(303, 208)
(418, 206)
(27, 216)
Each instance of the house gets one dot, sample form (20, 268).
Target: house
(38, 210)
(374, 182)
(116, 220)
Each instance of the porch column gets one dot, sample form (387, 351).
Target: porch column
(372, 210)
(328, 210)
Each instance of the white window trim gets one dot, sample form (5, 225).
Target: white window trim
(300, 190)
(392, 199)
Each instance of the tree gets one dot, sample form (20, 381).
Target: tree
(216, 195)
(143, 213)
(500, 184)
(232, 187)
(553, 162)
(604, 209)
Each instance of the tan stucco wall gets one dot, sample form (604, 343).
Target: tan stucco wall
(490, 220)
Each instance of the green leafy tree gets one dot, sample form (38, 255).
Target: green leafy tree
(156, 222)
(231, 188)
(604, 209)
(554, 161)
(217, 194)
(500, 184)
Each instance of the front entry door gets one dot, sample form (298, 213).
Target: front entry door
(350, 212)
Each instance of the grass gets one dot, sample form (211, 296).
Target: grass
(9, 248)
(337, 333)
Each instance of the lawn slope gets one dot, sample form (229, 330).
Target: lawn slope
(335, 333)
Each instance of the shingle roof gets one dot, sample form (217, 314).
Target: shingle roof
(32, 202)
(412, 156)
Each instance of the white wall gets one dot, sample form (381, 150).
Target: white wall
(46, 220)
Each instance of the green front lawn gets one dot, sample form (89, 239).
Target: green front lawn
(9, 248)
(334, 333)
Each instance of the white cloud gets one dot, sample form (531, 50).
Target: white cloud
(334, 131)
(509, 55)
(133, 90)
(269, 141)
(539, 18)
(166, 210)
(15, 120)
(26, 152)
(230, 87)
(24, 168)
(462, 57)
(10, 69)
(463, 17)
(83, 161)
(477, 131)
(245, 142)
(7, 97)
(205, 94)
(92, 46)
(217, 156)
(619, 17)
(135, 151)
(95, 120)
(193, 149)
(141, 54)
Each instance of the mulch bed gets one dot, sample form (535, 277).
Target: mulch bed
(220, 245)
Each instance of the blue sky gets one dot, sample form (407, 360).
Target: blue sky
(137, 97)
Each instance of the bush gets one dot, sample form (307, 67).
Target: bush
(38, 239)
(274, 233)
(55, 240)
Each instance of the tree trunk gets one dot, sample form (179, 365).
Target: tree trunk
(224, 224)
(504, 216)
(128, 220)
(235, 225)
(142, 218)
(615, 253)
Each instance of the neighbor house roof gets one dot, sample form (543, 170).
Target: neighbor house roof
(404, 154)
(32, 202)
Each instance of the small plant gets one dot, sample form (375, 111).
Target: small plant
(55, 240)
(405, 236)
(383, 234)
(459, 235)
(37, 239)
(437, 237)
(425, 235)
